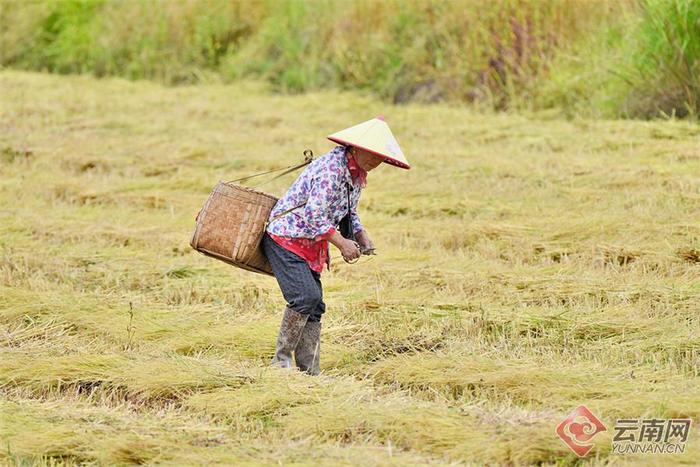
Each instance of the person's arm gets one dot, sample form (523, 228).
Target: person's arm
(317, 211)
(348, 248)
(355, 218)
(361, 236)
(365, 242)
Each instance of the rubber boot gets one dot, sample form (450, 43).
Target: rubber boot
(308, 351)
(291, 329)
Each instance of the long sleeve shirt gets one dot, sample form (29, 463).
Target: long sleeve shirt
(324, 187)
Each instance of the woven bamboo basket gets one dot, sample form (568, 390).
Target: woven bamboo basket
(231, 225)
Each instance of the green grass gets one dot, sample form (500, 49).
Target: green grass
(631, 58)
(645, 65)
(526, 265)
(667, 59)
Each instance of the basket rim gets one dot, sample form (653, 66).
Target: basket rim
(251, 190)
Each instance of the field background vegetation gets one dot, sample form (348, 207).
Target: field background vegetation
(525, 266)
(537, 256)
(629, 58)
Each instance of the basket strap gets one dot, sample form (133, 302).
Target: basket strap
(284, 213)
(308, 158)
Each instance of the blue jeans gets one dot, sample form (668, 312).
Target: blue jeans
(300, 285)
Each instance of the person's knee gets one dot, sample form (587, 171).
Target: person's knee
(308, 302)
(318, 312)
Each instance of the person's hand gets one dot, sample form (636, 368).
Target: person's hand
(350, 250)
(366, 245)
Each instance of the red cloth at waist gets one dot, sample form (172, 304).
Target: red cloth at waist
(315, 252)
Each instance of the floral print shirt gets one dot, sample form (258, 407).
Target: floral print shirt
(323, 186)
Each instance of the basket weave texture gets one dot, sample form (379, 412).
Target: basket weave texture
(231, 225)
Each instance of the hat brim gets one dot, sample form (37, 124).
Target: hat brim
(387, 159)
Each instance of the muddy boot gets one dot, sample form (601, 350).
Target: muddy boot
(290, 331)
(308, 351)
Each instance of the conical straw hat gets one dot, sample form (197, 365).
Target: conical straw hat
(373, 136)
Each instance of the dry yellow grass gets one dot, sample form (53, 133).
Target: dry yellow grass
(526, 265)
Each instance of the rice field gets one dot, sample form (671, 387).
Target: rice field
(526, 265)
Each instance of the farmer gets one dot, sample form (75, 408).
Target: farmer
(322, 200)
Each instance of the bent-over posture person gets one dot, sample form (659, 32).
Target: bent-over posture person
(306, 219)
